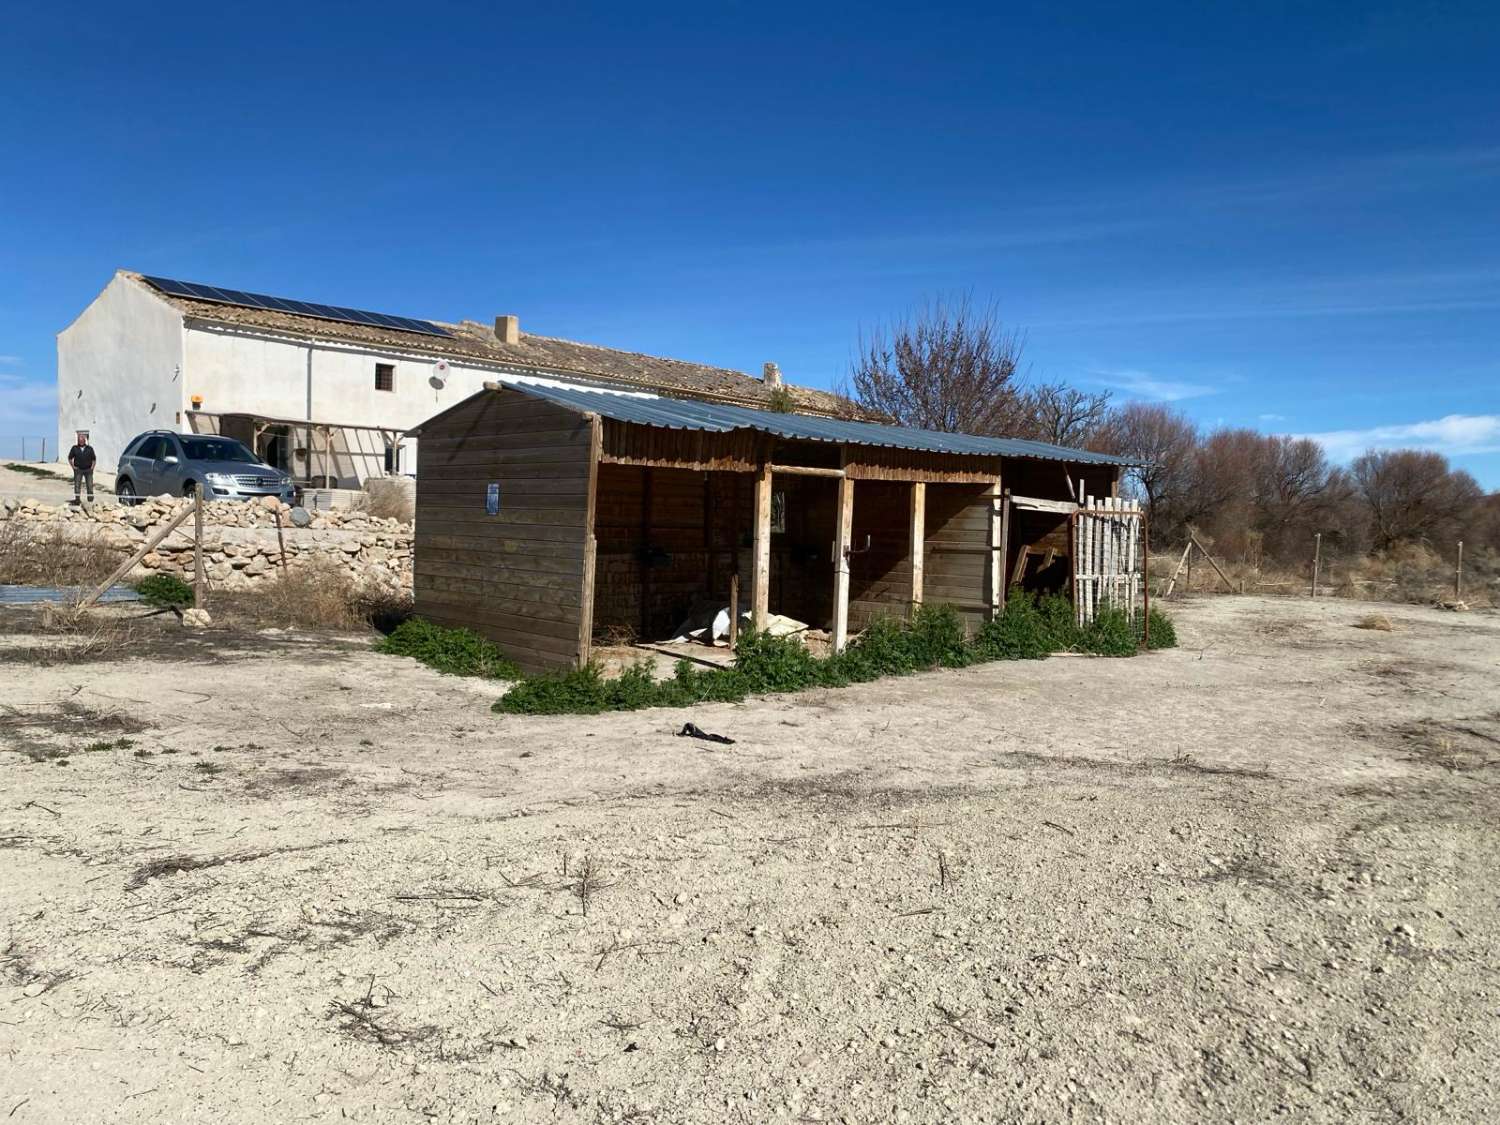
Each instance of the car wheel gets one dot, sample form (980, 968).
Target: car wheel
(125, 491)
(189, 488)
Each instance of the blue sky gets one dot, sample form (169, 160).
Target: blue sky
(1274, 215)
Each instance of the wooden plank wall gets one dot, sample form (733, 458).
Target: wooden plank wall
(958, 555)
(516, 577)
(659, 560)
(880, 577)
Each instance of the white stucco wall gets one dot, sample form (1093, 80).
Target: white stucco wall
(243, 370)
(118, 370)
(130, 363)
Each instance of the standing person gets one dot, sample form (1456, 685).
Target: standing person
(82, 458)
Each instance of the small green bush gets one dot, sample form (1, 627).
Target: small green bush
(1109, 634)
(1163, 632)
(458, 652)
(165, 590)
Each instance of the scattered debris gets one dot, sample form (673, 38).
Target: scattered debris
(690, 731)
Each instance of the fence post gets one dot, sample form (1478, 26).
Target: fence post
(1458, 573)
(44, 451)
(1317, 559)
(198, 598)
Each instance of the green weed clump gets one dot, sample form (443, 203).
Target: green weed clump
(165, 590)
(1028, 629)
(458, 652)
(1163, 632)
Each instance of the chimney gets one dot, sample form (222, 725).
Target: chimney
(508, 329)
(770, 375)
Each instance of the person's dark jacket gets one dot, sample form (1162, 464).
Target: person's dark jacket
(82, 457)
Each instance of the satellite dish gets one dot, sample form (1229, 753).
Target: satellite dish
(439, 374)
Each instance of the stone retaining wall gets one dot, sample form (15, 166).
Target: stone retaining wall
(239, 539)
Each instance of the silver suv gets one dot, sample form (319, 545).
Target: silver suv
(179, 464)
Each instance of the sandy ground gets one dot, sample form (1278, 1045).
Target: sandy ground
(56, 488)
(1253, 878)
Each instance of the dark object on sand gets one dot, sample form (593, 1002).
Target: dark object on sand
(690, 731)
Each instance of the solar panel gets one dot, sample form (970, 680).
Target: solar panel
(242, 299)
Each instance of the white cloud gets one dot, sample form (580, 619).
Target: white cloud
(1272, 417)
(1451, 434)
(10, 360)
(1143, 384)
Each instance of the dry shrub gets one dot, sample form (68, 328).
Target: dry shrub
(319, 594)
(46, 554)
(1377, 621)
(390, 498)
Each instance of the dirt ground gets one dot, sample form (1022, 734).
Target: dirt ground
(1252, 878)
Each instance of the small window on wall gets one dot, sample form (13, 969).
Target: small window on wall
(385, 376)
(393, 459)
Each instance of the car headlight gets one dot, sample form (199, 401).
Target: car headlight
(218, 478)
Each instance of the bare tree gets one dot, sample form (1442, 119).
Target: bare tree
(1162, 442)
(1413, 495)
(947, 366)
(1063, 415)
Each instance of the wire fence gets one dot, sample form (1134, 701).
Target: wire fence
(21, 447)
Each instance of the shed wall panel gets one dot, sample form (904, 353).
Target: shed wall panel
(516, 577)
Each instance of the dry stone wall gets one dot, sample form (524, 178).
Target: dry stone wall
(241, 547)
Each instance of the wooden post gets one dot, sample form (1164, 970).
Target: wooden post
(645, 554)
(997, 549)
(590, 543)
(281, 541)
(1317, 560)
(141, 552)
(845, 531)
(760, 581)
(198, 579)
(1458, 573)
(734, 611)
(1004, 545)
(917, 541)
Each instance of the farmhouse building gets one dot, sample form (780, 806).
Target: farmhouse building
(326, 393)
(549, 515)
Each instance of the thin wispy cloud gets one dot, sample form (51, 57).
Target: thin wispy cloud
(9, 360)
(1145, 385)
(1272, 417)
(28, 407)
(1452, 434)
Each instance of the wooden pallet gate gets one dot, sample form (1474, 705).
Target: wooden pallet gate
(1108, 557)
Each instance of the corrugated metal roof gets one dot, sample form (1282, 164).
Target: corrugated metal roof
(36, 595)
(680, 414)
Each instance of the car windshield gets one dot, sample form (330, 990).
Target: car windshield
(217, 449)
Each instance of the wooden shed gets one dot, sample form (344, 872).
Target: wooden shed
(549, 515)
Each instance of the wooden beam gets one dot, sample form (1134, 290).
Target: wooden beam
(917, 541)
(590, 544)
(141, 552)
(845, 531)
(1034, 504)
(760, 580)
(997, 549)
(807, 471)
(1004, 543)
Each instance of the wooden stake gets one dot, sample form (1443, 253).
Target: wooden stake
(760, 580)
(1317, 560)
(145, 549)
(1458, 573)
(917, 541)
(1213, 564)
(198, 579)
(845, 531)
(1004, 545)
(734, 611)
(280, 540)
